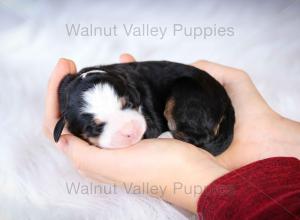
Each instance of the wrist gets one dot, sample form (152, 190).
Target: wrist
(191, 180)
(286, 138)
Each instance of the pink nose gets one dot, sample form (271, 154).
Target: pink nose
(129, 130)
(130, 133)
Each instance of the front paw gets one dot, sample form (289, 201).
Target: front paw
(166, 134)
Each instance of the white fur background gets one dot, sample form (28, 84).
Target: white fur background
(32, 38)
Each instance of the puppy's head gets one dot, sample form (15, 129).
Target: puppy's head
(101, 107)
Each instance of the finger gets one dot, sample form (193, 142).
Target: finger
(62, 68)
(96, 177)
(90, 159)
(115, 165)
(243, 93)
(223, 74)
(126, 58)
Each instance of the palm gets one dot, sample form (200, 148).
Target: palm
(163, 162)
(254, 126)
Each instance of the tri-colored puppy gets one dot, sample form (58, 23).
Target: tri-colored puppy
(117, 105)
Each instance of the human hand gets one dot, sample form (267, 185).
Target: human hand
(259, 132)
(173, 165)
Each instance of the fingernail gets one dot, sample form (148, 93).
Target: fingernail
(62, 144)
(59, 62)
(62, 59)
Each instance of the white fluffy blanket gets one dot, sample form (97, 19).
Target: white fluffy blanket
(33, 35)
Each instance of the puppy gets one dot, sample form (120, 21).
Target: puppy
(117, 105)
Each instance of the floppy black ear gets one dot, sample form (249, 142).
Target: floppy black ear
(58, 128)
(63, 99)
(63, 90)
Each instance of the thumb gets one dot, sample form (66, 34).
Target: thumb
(126, 58)
(82, 154)
(91, 160)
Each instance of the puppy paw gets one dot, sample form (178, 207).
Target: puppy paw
(166, 134)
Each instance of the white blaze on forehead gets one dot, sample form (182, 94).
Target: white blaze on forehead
(101, 101)
(104, 104)
(83, 75)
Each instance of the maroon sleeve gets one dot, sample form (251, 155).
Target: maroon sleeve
(266, 189)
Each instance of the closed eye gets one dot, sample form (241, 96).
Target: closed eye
(130, 106)
(127, 105)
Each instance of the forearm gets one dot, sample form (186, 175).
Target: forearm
(291, 131)
(285, 139)
(260, 190)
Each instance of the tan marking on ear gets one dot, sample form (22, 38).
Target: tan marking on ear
(217, 127)
(168, 113)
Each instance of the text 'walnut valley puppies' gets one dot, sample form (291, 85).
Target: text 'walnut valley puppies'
(117, 105)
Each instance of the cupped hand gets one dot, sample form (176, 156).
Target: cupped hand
(180, 169)
(259, 133)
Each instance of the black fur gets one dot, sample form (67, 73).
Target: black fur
(203, 112)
